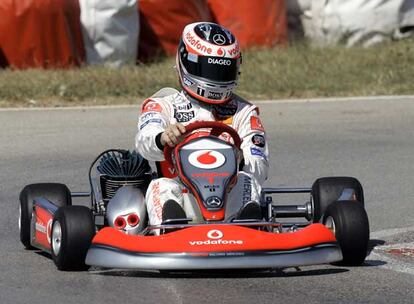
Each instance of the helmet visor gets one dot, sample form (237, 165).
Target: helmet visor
(217, 69)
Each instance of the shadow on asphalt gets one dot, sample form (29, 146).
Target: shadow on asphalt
(44, 254)
(231, 274)
(374, 243)
(374, 263)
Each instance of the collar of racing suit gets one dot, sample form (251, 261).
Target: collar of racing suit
(221, 111)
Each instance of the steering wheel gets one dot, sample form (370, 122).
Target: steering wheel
(217, 128)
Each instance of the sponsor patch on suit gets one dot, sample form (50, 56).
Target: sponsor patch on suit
(183, 116)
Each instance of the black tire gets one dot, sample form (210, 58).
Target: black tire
(351, 230)
(58, 194)
(77, 230)
(327, 190)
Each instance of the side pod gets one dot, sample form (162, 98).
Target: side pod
(41, 225)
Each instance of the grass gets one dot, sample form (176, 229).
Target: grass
(294, 72)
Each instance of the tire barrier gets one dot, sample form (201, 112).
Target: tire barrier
(162, 23)
(110, 31)
(254, 23)
(353, 22)
(41, 33)
(68, 33)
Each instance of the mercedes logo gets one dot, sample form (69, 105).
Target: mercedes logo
(219, 39)
(213, 202)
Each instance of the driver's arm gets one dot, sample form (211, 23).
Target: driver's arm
(254, 145)
(172, 135)
(151, 124)
(155, 131)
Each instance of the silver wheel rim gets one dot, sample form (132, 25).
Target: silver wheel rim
(330, 224)
(20, 217)
(312, 207)
(56, 238)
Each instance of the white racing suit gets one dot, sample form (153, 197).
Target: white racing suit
(168, 106)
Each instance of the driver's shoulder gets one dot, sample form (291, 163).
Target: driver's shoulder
(166, 97)
(164, 92)
(243, 105)
(169, 96)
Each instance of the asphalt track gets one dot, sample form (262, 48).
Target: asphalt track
(372, 139)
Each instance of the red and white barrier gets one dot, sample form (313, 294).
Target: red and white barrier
(67, 33)
(162, 23)
(40, 33)
(254, 23)
(354, 22)
(110, 31)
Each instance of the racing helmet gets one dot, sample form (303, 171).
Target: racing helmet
(208, 62)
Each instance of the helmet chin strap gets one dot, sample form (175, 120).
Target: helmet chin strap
(194, 99)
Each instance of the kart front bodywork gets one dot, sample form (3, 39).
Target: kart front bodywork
(214, 247)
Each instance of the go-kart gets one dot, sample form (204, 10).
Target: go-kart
(332, 227)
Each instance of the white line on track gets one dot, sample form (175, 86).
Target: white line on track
(258, 102)
(132, 106)
(390, 232)
(331, 99)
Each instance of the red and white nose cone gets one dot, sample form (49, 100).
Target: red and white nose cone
(206, 159)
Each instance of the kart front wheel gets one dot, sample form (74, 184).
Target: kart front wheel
(327, 190)
(348, 220)
(58, 194)
(72, 232)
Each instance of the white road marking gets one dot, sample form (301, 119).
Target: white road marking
(390, 232)
(63, 108)
(258, 102)
(330, 99)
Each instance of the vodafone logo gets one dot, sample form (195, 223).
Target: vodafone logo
(215, 234)
(215, 238)
(234, 51)
(198, 44)
(221, 52)
(206, 159)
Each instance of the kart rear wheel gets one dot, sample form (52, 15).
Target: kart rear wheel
(327, 190)
(348, 220)
(58, 194)
(72, 232)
